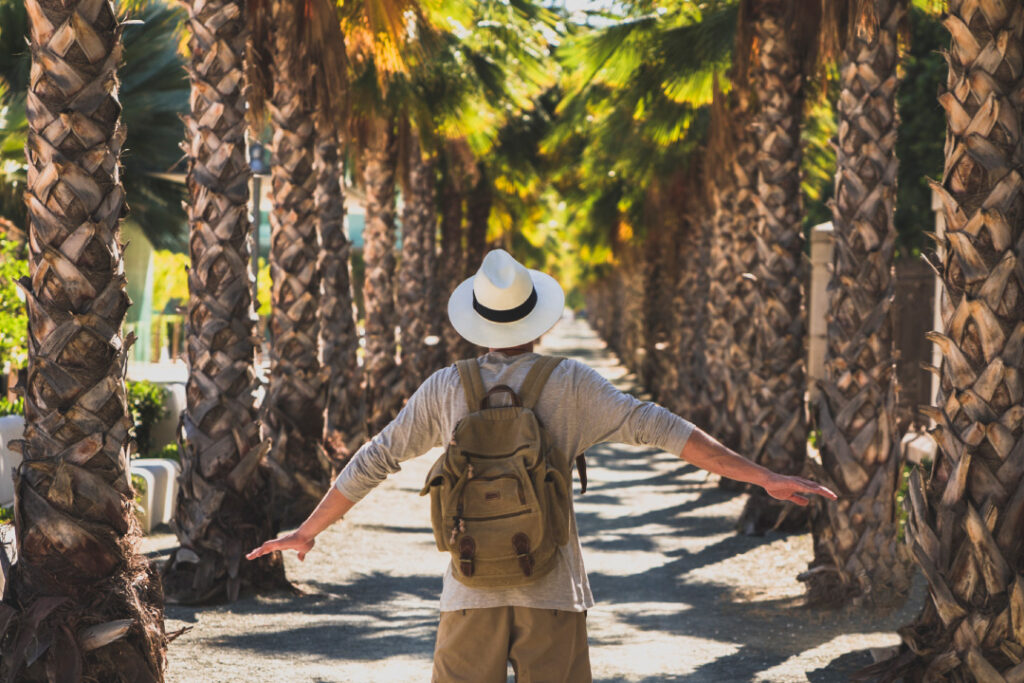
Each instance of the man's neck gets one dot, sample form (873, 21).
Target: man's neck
(515, 350)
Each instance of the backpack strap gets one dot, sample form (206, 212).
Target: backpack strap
(536, 379)
(581, 469)
(472, 383)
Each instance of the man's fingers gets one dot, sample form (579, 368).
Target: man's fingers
(265, 549)
(798, 499)
(816, 488)
(257, 552)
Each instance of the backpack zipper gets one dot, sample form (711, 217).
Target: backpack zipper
(493, 517)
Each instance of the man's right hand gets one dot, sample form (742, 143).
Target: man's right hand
(796, 489)
(291, 541)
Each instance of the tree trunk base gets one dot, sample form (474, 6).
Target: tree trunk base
(191, 579)
(43, 619)
(763, 513)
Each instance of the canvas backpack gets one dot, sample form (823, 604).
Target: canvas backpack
(499, 495)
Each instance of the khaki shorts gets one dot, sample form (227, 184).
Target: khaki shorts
(544, 646)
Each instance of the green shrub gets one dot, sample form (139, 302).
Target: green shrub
(139, 483)
(16, 407)
(147, 403)
(170, 451)
(7, 515)
(13, 320)
(903, 493)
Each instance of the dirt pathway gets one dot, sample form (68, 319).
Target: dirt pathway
(680, 596)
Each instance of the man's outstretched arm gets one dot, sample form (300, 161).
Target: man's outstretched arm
(329, 510)
(707, 453)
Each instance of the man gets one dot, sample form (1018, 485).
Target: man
(540, 627)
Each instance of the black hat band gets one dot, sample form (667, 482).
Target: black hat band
(507, 315)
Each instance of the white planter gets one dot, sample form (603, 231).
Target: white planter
(11, 428)
(164, 490)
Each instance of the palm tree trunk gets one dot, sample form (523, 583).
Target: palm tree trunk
(778, 371)
(660, 364)
(965, 524)
(383, 376)
(221, 510)
(478, 214)
(719, 393)
(77, 535)
(857, 555)
(452, 256)
(345, 416)
(416, 276)
(293, 409)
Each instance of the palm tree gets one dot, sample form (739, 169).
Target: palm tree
(221, 509)
(79, 602)
(451, 255)
(302, 72)
(781, 37)
(964, 525)
(345, 417)
(154, 94)
(417, 275)
(857, 555)
(729, 242)
(379, 166)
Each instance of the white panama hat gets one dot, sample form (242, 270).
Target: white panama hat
(505, 304)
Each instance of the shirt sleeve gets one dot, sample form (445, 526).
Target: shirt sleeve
(415, 430)
(610, 415)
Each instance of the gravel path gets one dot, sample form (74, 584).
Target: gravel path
(680, 596)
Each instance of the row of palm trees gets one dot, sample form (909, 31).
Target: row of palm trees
(744, 233)
(380, 92)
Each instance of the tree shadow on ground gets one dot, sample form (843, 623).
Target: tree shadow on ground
(353, 620)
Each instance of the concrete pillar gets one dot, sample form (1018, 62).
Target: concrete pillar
(822, 244)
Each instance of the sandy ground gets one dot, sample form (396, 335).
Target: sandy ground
(680, 596)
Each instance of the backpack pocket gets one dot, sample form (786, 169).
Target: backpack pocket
(438, 486)
(556, 494)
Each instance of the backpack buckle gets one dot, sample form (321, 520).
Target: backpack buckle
(521, 542)
(467, 548)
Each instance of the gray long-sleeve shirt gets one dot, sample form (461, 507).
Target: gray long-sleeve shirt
(579, 409)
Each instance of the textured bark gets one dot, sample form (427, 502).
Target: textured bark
(857, 557)
(383, 375)
(345, 416)
(293, 409)
(722, 278)
(777, 375)
(741, 400)
(77, 535)
(452, 257)
(221, 510)
(965, 524)
(416, 277)
(478, 214)
(630, 345)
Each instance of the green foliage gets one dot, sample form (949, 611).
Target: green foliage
(15, 407)
(139, 484)
(6, 516)
(147, 404)
(169, 451)
(818, 164)
(903, 493)
(919, 145)
(154, 93)
(13, 319)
